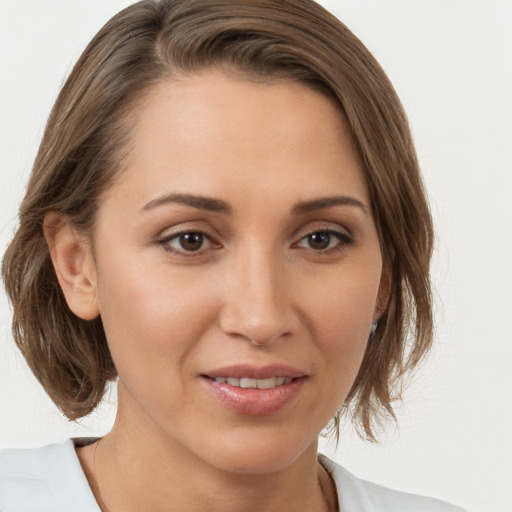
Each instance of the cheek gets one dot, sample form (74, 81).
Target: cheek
(343, 305)
(339, 315)
(151, 317)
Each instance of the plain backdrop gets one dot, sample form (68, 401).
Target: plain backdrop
(451, 63)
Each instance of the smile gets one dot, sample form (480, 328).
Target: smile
(254, 391)
(247, 382)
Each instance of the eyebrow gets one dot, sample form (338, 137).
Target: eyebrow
(218, 205)
(328, 202)
(200, 202)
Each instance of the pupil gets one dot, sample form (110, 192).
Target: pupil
(319, 240)
(191, 241)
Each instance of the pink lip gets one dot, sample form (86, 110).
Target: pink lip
(253, 372)
(250, 401)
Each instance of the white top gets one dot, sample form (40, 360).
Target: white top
(51, 479)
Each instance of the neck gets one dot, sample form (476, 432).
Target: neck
(136, 469)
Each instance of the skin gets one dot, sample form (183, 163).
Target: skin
(258, 291)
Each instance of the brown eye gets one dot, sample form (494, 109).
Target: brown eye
(189, 241)
(324, 240)
(319, 241)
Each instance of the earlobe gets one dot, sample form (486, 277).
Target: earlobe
(73, 263)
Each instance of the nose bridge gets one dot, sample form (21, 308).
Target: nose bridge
(257, 306)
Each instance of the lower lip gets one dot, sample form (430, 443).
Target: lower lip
(254, 402)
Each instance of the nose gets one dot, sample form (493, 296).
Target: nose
(257, 305)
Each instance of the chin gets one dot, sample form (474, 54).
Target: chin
(259, 452)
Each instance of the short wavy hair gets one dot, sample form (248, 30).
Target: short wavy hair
(84, 142)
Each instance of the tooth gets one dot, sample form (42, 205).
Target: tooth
(248, 383)
(267, 383)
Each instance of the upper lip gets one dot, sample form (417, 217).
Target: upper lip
(255, 372)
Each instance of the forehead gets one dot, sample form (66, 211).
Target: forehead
(211, 133)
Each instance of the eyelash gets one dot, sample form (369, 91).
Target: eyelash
(343, 240)
(165, 242)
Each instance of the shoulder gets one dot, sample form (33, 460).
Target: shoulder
(363, 496)
(49, 478)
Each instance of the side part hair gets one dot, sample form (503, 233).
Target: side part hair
(86, 140)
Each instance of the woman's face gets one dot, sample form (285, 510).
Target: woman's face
(237, 244)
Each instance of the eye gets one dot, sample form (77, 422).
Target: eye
(324, 240)
(187, 242)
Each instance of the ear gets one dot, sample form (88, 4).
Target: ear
(74, 265)
(383, 293)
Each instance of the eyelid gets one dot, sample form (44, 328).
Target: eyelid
(343, 232)
(189, 226)
(324, 229)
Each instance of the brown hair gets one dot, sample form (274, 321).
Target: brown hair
(82, 149)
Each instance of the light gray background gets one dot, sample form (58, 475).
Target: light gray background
(451, 62)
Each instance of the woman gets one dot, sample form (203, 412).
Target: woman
(226, 213)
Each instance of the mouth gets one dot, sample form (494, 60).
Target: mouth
(249, 383)
(255, 391)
